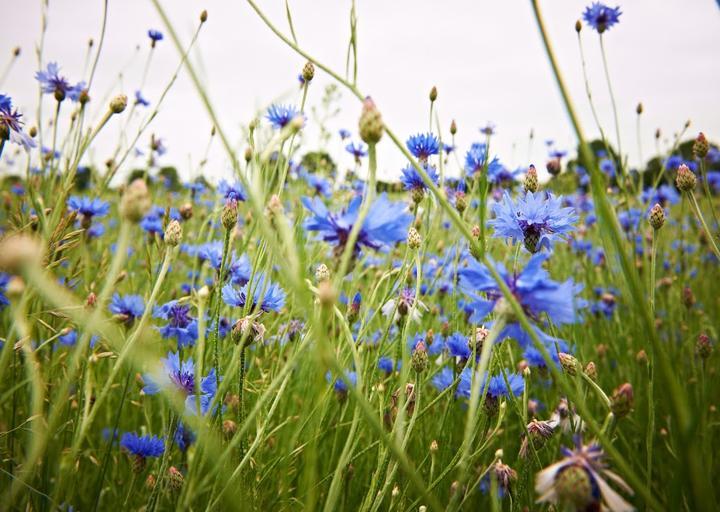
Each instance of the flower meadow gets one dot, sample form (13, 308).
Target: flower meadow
(471, 337)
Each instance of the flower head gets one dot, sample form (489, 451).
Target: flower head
(142, 446)
(357, 150)
(412, 180)
(266, 295)
(52, 83)
(423, 145)
(231, 191)
(11, 125)
(385, 224)
(536, 219)
(577, 481)
(281, 115)
(601, 17)
(87, 207)
(129, 307)
(4, 280)
(536, 292)
(180, 326)
(155, 36)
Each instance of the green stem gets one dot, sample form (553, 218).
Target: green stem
(699, 215)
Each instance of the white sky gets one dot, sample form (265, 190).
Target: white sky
(485, 58)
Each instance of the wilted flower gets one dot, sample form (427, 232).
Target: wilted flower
(578, 481)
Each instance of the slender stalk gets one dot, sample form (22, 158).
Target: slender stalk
(701, 218)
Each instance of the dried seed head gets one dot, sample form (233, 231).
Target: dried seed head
(173, 233)
(414, 240)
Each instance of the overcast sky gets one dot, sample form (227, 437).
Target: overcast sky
(485, 58)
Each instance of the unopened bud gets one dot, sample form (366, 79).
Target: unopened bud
(203, 16)
(308, 72)
(118, 103)
(591, 370)
(704, 347)
(229, 215)
(453, 127)
(186, 211)
(175, 479)
(371, 124)
(685, 179)
(578, 26)
(419, 359)
(621, 402)
(569, 363)
(433, 94)
(657, 217)
(639, 108)
(700, 146)
(530, 183)
(460, 201)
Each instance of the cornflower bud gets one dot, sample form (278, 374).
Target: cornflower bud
(203, 16)
(371, 125)
(530, 183)
(453, 127)
(578, 26)
(230, 215)
(433, 94)
(118, 103)
(700, 146)
(639, 108)
(621, 402)
(419, 358)
(657, 217)
(685, 179)
(569, 363)
(308, 72)
(175, 479)
(704, 347)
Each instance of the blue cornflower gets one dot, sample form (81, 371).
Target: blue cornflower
(267, 296)
(532, 287)
(386, 223)
(240, 270)
(184, 437)
(630, 219)
(231, 191)
(11, 124)
(142, 446)
(608, 167)
(155, 36)
(357, 150)
(52, 83)
(664, 195)
(344, 134)
(443, 379)
(4, 280)
(497, 387)
(423, 145)
(318, 183)
(601, 17)
(386, 365)
(152, 223)
(341, 383)
(181, 325)
(411, 179)
(538, 220)
(68, 339)
(87, 207)
(181, 377)
(457, 346)
(140, 99)
(280, 115)
(129, 307)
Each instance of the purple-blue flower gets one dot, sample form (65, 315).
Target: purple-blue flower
(387, 223)
(267, 296)
(180, 326)
(601, 17)
(4, 280)
(231, 191)
(357, 150)
(11, 125)
(280, 115)
(142, 446)
(537, 219)
(423, 145)
(155, 36)
(87, 207)
(411, 179)
(129, 307)
(52, 83)
(533, 288)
